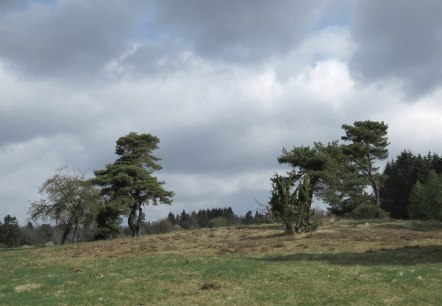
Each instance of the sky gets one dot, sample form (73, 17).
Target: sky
(225, 85)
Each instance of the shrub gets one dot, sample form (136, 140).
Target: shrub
(367, 211)
(218, 222)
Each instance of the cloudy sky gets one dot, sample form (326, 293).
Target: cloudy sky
(224, 85)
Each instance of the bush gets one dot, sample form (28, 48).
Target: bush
(108, 223)
(165, 226)
(218, 222)
(367, 211)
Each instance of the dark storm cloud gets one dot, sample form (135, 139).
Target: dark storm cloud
(79, 39)
(237, 30)
(398, 39)
(66, 38)
(22, 124)
(7, 6)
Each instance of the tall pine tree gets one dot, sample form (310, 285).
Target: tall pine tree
(367, 144)
(129, 183)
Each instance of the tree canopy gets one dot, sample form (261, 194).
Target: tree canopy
(10, 231)
(426, 198)
(339, 174)
(368, 144)
(291, 206)
(128, 184)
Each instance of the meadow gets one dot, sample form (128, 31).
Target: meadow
(343, 262)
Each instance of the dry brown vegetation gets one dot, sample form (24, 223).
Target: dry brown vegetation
(333, 236)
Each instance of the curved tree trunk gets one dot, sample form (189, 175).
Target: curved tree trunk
(375, 187)
(139, 220)
(131, 219)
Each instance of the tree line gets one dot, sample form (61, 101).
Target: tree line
(12, 235)
(412, 188)
(79, 206)
(343, 173)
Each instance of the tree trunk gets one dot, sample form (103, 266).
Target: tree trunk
(74, 238)
(139, 220)
(131, 219)
(288, 228)
(312, 186)
(375, 187)
(66, 232)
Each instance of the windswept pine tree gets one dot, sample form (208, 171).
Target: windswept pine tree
(129, 184)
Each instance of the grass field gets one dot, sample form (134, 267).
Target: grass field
(342, 263)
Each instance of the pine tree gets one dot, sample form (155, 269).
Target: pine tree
(426, 198)
(10, 231)
(368, 144)
(128, 183)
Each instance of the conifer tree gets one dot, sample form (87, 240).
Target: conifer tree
(426, 198)
(291, 207)
(128, 183)
(368, 144)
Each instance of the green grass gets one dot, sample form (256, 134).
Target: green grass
(342, 263)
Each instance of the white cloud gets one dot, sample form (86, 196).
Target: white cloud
(222, 115)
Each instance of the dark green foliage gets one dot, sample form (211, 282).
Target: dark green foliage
(282, 201)
(10, 232)
(261, 218)
(291, 207)
(203, 218)
(303, 203)
(401, 175)
(366, 211)
(417, 198)
(305, 161)
(206, 218)
(248, 218)
(426, 198)
(171, 218)
(341, 186)
(368, 144)
(108, 223)
(184, 220)
(332, 176)
(129, 183)
(339, 174)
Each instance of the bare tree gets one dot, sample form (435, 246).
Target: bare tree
(68, 199)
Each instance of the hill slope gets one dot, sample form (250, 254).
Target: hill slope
(343, 263)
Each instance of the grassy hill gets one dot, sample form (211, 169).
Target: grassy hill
(342, 263)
